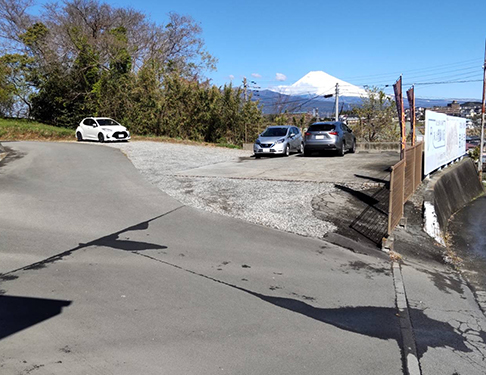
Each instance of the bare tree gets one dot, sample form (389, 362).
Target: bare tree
(14, 21)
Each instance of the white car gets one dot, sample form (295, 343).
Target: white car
(102, 129)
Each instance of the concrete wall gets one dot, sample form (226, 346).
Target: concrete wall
(360, 146)
(377, 146)
(447, 192)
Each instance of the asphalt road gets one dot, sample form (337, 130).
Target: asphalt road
(102, 273)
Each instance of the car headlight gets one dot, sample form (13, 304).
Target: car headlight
(281, 140)
(107, 129)
(257, 141)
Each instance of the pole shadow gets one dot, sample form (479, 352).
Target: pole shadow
(111, 240)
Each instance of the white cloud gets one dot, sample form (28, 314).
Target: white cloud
(231, 77)
(280, 77)
(256, 75)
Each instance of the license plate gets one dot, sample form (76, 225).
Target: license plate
(266, 150)
(319, 137)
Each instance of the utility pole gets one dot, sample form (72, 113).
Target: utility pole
(337, 100)
(411, 104)
(397, 88)
(483, 110)
(245, 96)
(245, 89)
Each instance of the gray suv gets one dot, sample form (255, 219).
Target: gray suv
(331, 135)
(282, 139)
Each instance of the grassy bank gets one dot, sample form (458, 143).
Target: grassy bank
(25, 130)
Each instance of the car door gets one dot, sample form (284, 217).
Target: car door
(87, 128)
(295, 139)
(298, 138)
(349, 136)
(90, 128)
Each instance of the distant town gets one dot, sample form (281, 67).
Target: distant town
(468, 110)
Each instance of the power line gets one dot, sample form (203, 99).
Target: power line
(360, 78)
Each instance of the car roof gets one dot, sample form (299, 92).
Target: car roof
(326, 123)
(99, 118)
(280, 126)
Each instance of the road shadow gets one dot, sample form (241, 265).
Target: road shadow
(383, 323)
(11, 156)
(372, 321)
(374, 179)
(111, 240)
(19, 313)
(363, 197)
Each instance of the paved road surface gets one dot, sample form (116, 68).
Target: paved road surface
(329, 168)
(102, 273)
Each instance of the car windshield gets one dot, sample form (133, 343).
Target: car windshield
(274, 132)
(321, 127)
(107, 122)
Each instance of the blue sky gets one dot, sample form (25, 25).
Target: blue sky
(362, 42)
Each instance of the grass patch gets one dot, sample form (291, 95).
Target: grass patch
(228, 145)
(26, 130)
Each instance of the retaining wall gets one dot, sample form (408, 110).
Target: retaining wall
(377, 146)
(360, 146)
(447, 192)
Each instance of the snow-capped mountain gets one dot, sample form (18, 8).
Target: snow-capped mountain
(320, 83)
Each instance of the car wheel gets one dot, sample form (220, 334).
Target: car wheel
(301, 149)
(257, 156)
(101, 138)
(352, 150)
(341, 149)
(79, 136)
(306, 152)
(287, 150)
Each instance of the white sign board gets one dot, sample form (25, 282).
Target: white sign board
(445, 140)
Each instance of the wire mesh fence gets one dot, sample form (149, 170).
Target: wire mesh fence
(405, 177)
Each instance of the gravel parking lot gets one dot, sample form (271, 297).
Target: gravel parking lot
(195, 175)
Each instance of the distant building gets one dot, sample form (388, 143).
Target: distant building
(452, 109)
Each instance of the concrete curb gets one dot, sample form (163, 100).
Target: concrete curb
(481, 299)
(410, 356)
(354, 246)
(3, 153)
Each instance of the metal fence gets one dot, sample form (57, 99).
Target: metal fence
(413, 169)
(397, 189)
(405, 177)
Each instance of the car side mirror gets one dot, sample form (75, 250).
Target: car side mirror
(292, 135)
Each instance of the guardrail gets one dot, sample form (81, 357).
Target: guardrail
(405, 177)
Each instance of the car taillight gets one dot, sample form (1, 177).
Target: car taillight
(333, 133)
(307, 133)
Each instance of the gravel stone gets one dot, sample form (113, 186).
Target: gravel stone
(283, 205)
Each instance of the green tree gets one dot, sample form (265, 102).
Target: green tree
(376, 116)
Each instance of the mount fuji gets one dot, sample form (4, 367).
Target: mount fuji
(308, 94)
(320, 83)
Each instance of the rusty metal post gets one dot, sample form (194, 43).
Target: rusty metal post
(483, 110)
